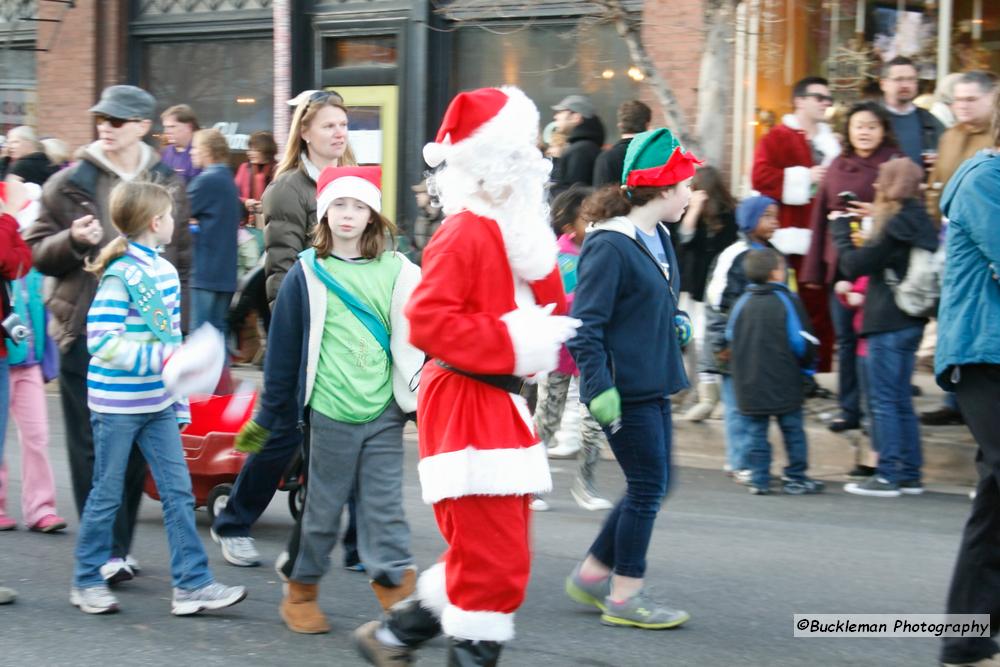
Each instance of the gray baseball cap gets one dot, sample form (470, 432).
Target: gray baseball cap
(127, 102)
(580, 104)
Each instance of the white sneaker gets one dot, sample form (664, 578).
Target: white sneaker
(206, 598)
(94, 600)
(586, 496)
(564, 450)
(743, 476)
(238, 551)
(279, 563)
(539, 505)
(116, 571)
(133, 564)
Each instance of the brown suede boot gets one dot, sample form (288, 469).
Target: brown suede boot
(390, 595)
(301, 612)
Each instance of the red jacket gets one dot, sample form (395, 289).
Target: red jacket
(475, 439)
(781, 168)
(15, 261)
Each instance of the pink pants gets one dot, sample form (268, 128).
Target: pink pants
(27, 407)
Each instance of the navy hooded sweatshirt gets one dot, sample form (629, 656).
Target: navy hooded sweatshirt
(627, 307)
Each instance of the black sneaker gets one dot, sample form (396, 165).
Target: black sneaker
(860, 473)
(942, 417)
(802, 487)
(875, 486)
(840, 425)
(911, 487)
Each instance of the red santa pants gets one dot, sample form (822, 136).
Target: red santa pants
(482, 576)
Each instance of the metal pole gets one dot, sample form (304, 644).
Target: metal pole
(945, 8)
(282, 12)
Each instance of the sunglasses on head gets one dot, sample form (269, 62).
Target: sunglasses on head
(324, 95)
(113, 122)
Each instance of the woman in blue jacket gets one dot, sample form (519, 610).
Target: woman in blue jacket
(628, 350)
(968, 363)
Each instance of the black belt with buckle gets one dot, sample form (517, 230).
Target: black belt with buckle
(512, 384)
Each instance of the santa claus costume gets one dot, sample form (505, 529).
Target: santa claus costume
(781, 171)
(487, 313)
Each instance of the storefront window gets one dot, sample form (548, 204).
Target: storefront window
(550, 62)
(364, 51)
(228, 83)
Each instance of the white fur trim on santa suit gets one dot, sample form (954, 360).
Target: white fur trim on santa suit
(537, 337)
(432, 591)
(485, 472)
(796, 187)
(484, 626)
(349, 186)
(824, 141)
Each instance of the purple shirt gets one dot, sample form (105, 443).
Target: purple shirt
(179, 159)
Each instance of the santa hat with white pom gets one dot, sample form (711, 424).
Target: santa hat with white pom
(482, 118)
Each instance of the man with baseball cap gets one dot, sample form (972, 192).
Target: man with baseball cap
(73, 226)
(577, 118)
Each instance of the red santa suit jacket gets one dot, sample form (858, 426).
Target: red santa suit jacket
(475, 439)
(781, 168)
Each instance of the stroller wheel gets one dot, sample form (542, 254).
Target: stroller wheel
(297, 501)
(217, 499)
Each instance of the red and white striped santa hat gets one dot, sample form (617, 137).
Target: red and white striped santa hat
(481, 118)
(361, 183)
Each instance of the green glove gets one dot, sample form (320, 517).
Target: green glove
(606, 407)
(251, 438)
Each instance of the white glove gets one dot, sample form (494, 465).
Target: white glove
(537, 336)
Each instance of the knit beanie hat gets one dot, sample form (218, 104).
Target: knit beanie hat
(750, 211)
(899, 179)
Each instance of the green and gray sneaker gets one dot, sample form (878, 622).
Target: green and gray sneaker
(641, 612)
(589, 593)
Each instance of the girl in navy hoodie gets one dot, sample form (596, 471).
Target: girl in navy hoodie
(629, 353)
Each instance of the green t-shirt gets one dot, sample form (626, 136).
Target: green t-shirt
(354, 375)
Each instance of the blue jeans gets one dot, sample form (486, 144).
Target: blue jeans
(848, 393)
(157, 435)
(891, 358)
(736, 428)
(642, 446)
(759, 454)
(210, 306)
(4, 400)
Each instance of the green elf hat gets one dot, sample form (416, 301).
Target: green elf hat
(656, 159)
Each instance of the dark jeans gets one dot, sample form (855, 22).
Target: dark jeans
(80, 447)
(847, 352)
(642, 446)
(895, 430)
(210, 306)
(975, 583)
(759, 449)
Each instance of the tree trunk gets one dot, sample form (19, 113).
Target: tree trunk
(715, 82)
(676, 120)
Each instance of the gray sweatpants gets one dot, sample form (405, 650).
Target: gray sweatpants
(370, 456)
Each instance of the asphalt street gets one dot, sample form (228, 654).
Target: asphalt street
(740, 565)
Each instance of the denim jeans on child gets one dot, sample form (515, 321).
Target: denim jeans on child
(158, 437)
(736, 428)
(642, 446)
(891, 358)
(759, 454)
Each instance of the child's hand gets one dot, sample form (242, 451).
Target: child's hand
(855, 300)
(842, 287)
(251, 438)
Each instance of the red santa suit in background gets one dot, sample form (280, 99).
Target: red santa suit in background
(781, 167)
(487, 313)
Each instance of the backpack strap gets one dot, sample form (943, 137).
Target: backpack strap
(365, 314)
(145, 296)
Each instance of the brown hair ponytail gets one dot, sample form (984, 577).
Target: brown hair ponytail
(133, 206)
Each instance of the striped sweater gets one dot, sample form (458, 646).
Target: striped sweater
(127, 357)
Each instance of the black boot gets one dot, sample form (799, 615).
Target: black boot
(412, 623)
(467, 653)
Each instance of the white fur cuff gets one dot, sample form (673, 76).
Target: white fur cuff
(537, 336)
(431, 590)
(485, 626)
(797, 187)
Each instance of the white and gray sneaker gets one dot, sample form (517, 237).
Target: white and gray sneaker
(206, 598)
(640, 612)
(94, 600)
(587, 497)
(116, 571)
(238, 551)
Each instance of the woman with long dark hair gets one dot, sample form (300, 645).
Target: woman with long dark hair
(848, 187)
(629, 351)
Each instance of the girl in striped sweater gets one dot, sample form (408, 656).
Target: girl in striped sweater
(132, 328)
